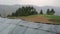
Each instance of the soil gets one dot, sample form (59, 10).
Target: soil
(37, 19)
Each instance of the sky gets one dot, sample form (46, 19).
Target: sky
(31, 2)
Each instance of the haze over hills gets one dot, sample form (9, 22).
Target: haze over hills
(8, 9)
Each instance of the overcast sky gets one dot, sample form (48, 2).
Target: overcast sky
(32, 2)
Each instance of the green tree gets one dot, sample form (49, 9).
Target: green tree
(41, 12)
(25, 11)
(52, 12)
(48, 12)
(13, 14)
(0, 14)
(8, 15)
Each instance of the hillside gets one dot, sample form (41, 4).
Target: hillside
(49, 19)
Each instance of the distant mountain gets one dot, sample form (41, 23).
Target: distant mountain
(8, 9)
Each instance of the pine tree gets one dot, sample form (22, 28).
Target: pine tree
(0, 14)
(13, 14)
(25, 11)
(48, 12)
(41, 12)
(52, 11)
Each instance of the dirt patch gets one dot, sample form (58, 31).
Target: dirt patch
(37, 19)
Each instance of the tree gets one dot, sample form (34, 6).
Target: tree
(8, 15)
(52, 11)
(41, 12)
(13, 14)
(33, 11)
(0, 14)
(48, 12)
(25, 11)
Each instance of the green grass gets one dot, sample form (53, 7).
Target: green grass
(55, 19)
(52, 17)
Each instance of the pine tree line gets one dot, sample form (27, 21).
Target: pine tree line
(26, 11)
(49, 12)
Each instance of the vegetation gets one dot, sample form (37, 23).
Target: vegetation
(25, 11)
(0, 14)
(52, 18)
(55, 19)
(41, 12)
(50, 12)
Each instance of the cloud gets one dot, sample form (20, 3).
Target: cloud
(9, 2)
(32, 2)
(39, 2)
